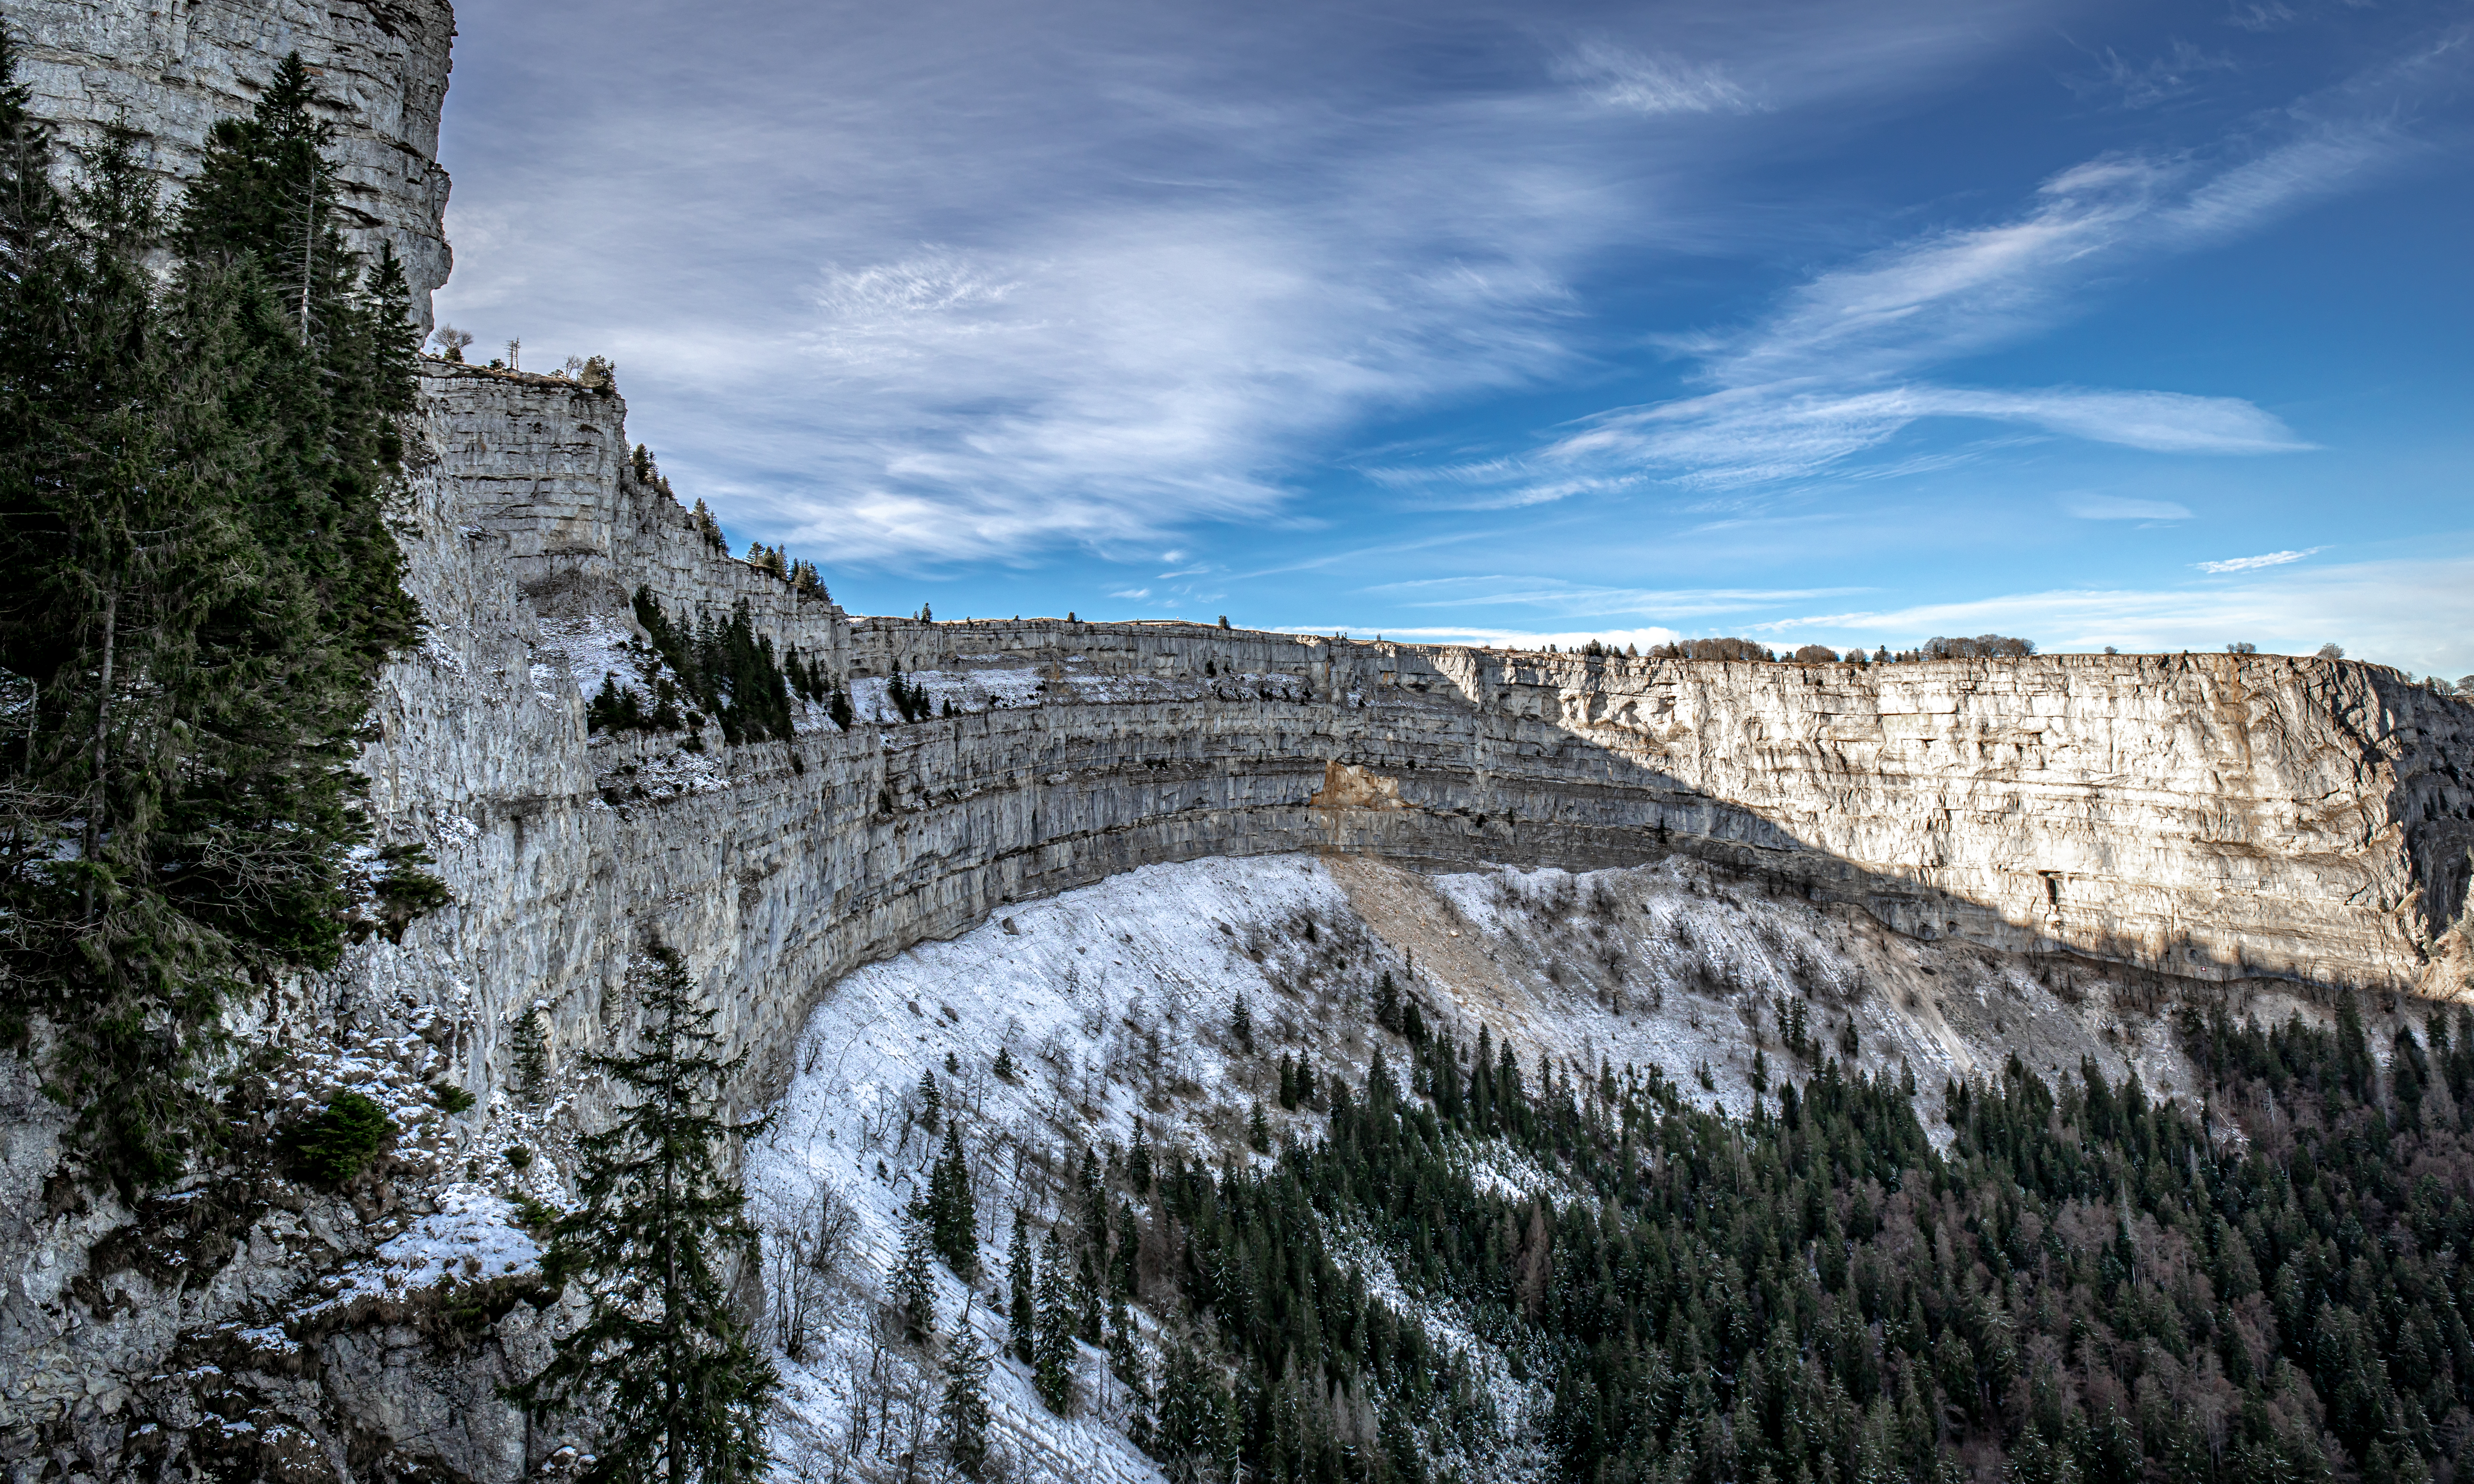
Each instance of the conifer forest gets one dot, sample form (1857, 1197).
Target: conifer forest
(199, 444)
(2081, 1283)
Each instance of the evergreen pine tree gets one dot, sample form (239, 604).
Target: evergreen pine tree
(932, 1101)
(530, 1072)
(662, 1361)
(962, 1411)
(1258, 1131)
(1138, 1160)
(1241, 1024)
(1190, 1435)
(194, 474)
(914, 1281)
(1126, 1364)
(1022, 1315)
(953, 1218)
(1051, 1361)
(1004, 1064)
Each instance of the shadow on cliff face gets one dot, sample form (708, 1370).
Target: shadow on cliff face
(2434, 783)
(1555, 796)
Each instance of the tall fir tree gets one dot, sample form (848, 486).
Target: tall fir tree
(1138, 1160)
(914, 1278)
(195, 473)
(662, 1364)
(1052, 1362)
(953, 1216)
(1022, 1279)
(963, 1410)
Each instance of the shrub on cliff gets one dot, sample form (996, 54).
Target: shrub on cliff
(335, 1145)
(727, 668)
(196, 467)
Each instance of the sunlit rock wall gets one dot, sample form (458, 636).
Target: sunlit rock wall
(170, 68)
(2212, 817)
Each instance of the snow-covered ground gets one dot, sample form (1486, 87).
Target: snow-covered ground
(1112, 1001)
(1115, 1001)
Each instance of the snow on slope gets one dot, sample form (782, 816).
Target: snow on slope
(1115, 1000)
(1112, 1001)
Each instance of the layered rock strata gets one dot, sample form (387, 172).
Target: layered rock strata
(170, 68)
(2208, 818)
(2212, 817)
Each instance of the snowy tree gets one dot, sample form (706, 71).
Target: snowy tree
(1022, 1314)
(662, 1364)
(953, 1218)
(914, 1284)
(1052, 1361)
(962, 1411)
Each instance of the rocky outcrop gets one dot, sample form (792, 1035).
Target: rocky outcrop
(2192, 818)
(172, 68)
(2210, 817)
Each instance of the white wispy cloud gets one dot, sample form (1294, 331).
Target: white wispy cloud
(2161, 78)
(2253, 563)
(1642, 82)
(1756, 435)
(960, 282)
(1842, 365)
(2115, 507)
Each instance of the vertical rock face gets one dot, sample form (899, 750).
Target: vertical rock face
(172, 67)
(2212, 817)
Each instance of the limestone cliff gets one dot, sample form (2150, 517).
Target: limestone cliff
(2210, 817)
(170, 69)
(2197, 821)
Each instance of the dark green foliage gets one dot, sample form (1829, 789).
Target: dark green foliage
(963, 1410)
(914, 1283)
(726, 670)
(452, 1098)
(1195, 1434)
(1052, 1347)
(662, 1361)
(953, 1218)
(1241, 1025)
(336, 1145)
(530, 1066)
(2086, 1285)
(908, 700)
(1005, 1063)
(195, 470)
(402, 891)
(932, 1101)
(1022, 1284)
(518, 1158)
(1138, 1160)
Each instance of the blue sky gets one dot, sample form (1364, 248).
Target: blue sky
(2141, 325)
